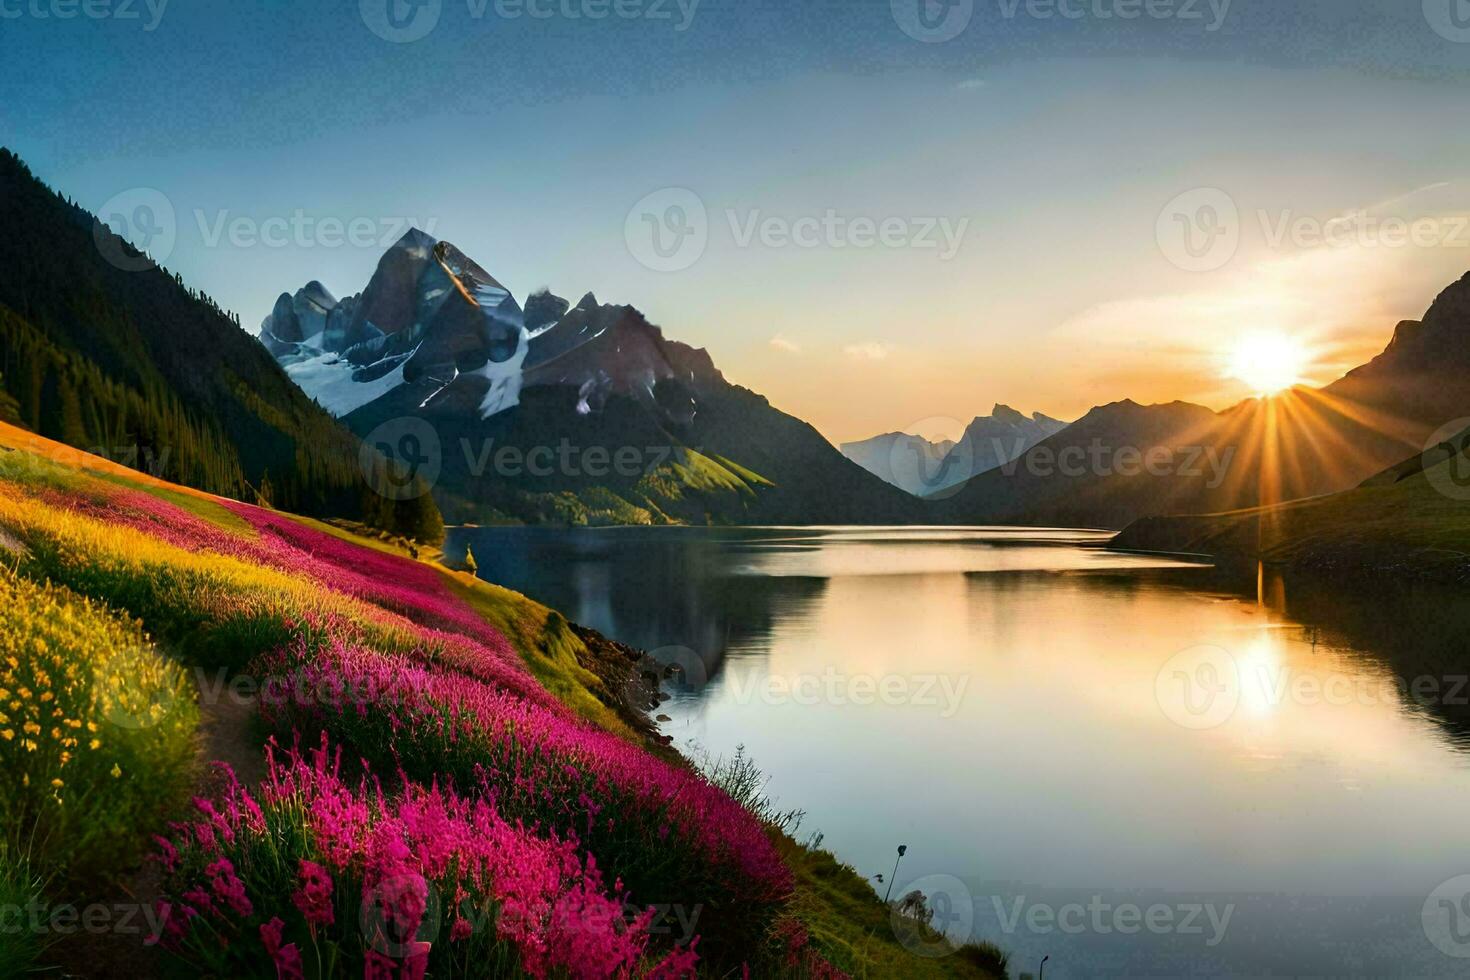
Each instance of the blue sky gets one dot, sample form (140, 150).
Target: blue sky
(1050, 142)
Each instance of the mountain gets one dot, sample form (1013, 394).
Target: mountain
(105, 351)
(1070, 479)
(927, 469)
(556, 412)
(996, 439)
(908, 462)
(1125, 461)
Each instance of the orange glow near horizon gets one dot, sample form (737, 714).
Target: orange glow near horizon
(1295, 444)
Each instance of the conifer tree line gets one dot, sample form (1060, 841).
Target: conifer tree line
(137, 366)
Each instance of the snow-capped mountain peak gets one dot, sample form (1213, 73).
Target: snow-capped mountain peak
(433, 319)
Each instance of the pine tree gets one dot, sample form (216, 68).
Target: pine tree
(266, 493)
(9, 406)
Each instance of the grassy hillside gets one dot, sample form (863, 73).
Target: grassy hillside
(398, 770)
(1410, 523)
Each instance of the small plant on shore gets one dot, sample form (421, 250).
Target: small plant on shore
(745, 783)
(986, 956)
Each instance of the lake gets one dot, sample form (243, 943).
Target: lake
(1134, 765)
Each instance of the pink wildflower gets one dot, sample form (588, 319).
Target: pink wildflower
(228, 887)
(200, 899)
(416, 962)
(175, 921)
(286, 958)
(314, 899)
(681, 964)
(168, 855)
(379, 967)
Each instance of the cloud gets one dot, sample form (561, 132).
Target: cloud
(970, 84)
(1389, 206)
(783, 343)
(869, 351)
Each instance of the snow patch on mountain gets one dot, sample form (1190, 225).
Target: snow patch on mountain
(505, 379)
(329, 379)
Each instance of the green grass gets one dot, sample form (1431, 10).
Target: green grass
(546, 644)
(20, 948)
(688, 488)
(38, 471)
(855, 931)
(748, 475)
(1399, 523)
(367, 537)
(690, 470)
(607, 509)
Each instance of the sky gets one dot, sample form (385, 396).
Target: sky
(882, 215)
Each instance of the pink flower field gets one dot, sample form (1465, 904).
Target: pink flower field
(428, 807)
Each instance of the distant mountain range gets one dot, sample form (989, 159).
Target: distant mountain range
(587, 413)
(528, 406)
(928, 469)
(1125, 461)
(103, 350)
(909, 462)
(555, 412)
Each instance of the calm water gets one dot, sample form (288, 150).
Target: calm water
(1124, 763)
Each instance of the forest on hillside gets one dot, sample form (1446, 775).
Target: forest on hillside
(123, 359)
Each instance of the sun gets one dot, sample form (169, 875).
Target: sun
(1268, 362)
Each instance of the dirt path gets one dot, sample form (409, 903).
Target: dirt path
(227, 733)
